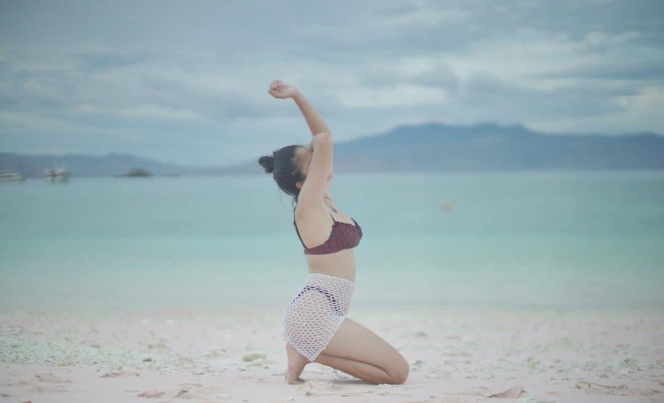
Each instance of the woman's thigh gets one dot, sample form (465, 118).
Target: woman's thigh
(356, 342)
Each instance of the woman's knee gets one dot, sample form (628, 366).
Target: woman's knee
(396, 373)
(399, 374)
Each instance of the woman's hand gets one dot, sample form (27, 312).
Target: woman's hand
(281, 90)
(315, 121)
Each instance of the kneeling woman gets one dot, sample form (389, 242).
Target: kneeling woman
(315, 326)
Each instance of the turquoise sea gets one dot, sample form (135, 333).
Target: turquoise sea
(533, 240)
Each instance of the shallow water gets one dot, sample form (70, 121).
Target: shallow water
(514, 240)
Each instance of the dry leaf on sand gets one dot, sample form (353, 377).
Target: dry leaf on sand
(598, 386)
(50, 378)
(151, 394)
(512, 393)
(119, 374)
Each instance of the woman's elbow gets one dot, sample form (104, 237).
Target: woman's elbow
(323, 137)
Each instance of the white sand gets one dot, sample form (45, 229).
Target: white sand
(206, 356)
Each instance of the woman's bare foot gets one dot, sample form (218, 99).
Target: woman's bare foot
(296, 364)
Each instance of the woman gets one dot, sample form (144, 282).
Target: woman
(314, 324)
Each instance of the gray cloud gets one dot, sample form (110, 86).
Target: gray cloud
(187, 83)
(580, 100)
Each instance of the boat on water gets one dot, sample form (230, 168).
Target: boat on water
(58, 172)
(7, 176)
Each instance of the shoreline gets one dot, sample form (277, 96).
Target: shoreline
(363, 310)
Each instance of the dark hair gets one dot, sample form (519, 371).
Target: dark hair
(284, 169)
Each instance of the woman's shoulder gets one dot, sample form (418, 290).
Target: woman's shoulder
(307, 212)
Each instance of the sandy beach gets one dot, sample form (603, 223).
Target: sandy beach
(456, 355)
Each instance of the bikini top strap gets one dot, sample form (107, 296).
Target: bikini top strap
(298, 233)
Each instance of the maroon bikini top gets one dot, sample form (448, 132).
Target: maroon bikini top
(343, 236)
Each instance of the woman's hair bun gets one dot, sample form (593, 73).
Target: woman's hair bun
(267, 162)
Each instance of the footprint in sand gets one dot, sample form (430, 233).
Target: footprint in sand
(310, 388)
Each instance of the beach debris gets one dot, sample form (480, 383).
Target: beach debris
(119, 374)
(253, 357)
(217, 352)
(287, 399)
(512, 393)
(184, 392)
(47, 389)
(158, 346)
(50, 378)
(456, 354)
(151, 394)
(224, 395)
(594, 386)
(417, 365)
(188, 390)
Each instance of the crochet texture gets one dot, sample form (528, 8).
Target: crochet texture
(314, 315)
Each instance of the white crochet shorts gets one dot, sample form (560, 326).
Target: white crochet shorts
(313, 316)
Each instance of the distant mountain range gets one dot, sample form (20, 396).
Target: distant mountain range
(489, 147)
(426, 147)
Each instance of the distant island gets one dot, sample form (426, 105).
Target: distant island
(137, 172)
(429, 147)
(84, 165)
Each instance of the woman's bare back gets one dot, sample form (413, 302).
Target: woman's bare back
(315, 229)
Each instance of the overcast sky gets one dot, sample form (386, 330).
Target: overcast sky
(187, 81)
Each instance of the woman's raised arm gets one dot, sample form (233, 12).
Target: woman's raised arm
(315, 121)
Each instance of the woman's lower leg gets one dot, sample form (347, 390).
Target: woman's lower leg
(362, 370)
(296, 363)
